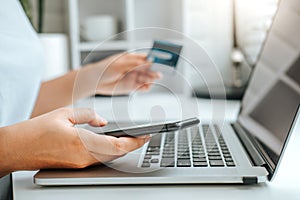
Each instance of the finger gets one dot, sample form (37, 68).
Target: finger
(141, 56)
(144, 67)
(136, 64)
(131, 56)
(148, 136)
(86, 115)
(154, 74)
(109, 145)
(131, 61)
(144, 87)
(143, 79)
(147, 77)
(123, 145)
(138, 56)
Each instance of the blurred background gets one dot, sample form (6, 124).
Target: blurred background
(231, 32)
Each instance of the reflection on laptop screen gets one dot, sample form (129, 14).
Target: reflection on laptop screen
(273, 94)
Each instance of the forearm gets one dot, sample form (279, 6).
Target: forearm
(13, 149)
(31, 145)
(63, 91)
(5, 165)
(41, 142)
(54, 94)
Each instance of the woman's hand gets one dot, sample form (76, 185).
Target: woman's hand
(52, 141)
(121, 74)
(116, 75)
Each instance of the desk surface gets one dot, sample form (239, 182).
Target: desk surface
(285, 185)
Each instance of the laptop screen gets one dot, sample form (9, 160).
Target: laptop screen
(273, 95)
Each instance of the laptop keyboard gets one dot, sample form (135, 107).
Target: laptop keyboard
(189, 148)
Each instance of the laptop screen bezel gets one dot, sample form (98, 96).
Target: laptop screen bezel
(295, 119)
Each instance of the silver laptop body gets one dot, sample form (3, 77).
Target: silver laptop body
(248, 151)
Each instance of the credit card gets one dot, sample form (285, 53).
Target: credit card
(165, 53)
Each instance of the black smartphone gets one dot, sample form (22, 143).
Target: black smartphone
(152, 128)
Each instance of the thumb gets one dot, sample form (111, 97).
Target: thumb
(86, 115)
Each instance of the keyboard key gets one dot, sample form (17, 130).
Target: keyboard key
(184, 153)
(225, 149)
(154, 160)
(200, 164)
(169, 149)
(168, 155)
(212, 150)
(144, 165)
(167, 162)
(183, 157)
(153, 149)
(182, 145)
(169, 145)
(226, 152)
(148, 157)
(168, 152)
(214, 154)
(230, 164)
(197, 142)
(183, 163)
(227, 155)
(195, 147)
(203, 159)
(214, 157)
(199, 156)
(183, 150)
(216, 163)
(228, 159)
(198, 152)
(215, 149)
(152, 153)
(146, 161)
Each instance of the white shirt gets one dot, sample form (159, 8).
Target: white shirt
(21, 67)
(21, 64)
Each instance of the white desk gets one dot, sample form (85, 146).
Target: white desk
(285, 186)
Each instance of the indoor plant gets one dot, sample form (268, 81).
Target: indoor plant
(27, 6)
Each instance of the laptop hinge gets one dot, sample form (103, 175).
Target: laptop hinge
(248, 144)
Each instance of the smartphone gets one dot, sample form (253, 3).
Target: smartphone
(153, 128)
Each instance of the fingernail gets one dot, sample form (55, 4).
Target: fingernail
(143, 136)
(147, 139)
(159, 75)
(102, 120)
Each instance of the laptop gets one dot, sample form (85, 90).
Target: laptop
(246, 152)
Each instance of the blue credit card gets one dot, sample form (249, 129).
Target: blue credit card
(165, 53)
